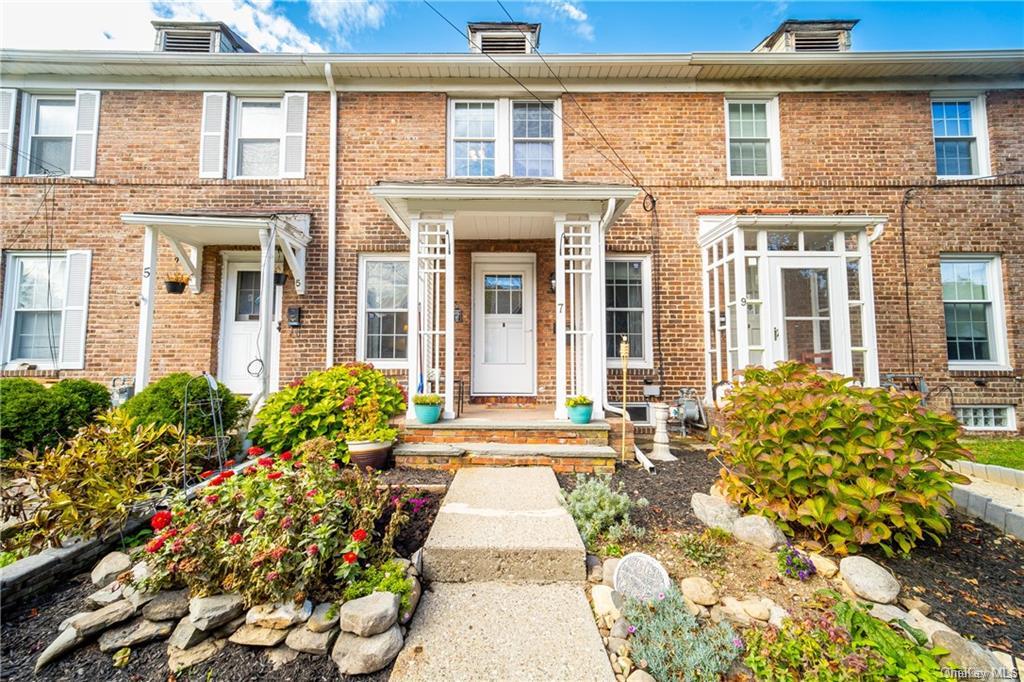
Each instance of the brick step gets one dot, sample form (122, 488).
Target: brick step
(535, 432)
(560, 457)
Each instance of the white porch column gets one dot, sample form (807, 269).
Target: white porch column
(560, 360)
(147, 293)
(449, 320)
(597, 372)
(267, 307)
(412, 342)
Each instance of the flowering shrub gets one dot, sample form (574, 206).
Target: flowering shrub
(347, 400)
(674, 645)
(848, 465)
(793, 563)
(602, 512)
(281, 529)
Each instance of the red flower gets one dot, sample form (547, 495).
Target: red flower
(229, 463)
(348, 402)
(297, 410)
(286, 455)
(160, 520)
(154, 545)
(171, 533)
(314, 519)
(272, 576)
(297, 465)
(216, 482)
(286, 523)
(350, 557)
(359, 535)
(177, 546)
(211, 499)
(278, 552)
(312, 550)
(296, 383)
(274, 475)
(249, 471)
(335, 466)
(259, 514)
(289, 500)
(265, 461)
(235, 538)
(256, 451)
(227, 474)
(311, 493)
(205, 475)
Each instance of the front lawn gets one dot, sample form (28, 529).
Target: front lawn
(1005, 452)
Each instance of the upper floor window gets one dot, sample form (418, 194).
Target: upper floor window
(267, 136)
(961, 137)
(972, 302)
(752, 128)
(51, 128)
(58, 133)
(489, 138)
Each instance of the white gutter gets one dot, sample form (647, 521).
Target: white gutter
(332, 216)
(606, 221)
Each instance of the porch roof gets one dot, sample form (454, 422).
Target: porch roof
(229, 229)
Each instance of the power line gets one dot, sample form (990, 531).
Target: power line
(52, 172)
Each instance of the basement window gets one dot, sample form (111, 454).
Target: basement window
(986, 417)
(639, 413)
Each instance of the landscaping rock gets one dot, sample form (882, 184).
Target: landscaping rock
(67, 640)
(607, 602)
(608, 571)
(91, 622)
(595, 570)
(320, 621)
(714, 511)
(640, 676)
(699, 591)
(309, 642)
(617, 645)
(868, 580)
(281, 656)
(279, 616)
(912, 603)
(731, 610)
(356, 655)
(369, 615)
(695, 610)
(167, 606)
(756, 609)
(417, 561)
(824, 566)
(207, 613)
(186, 635)
(620, 629)
(254, 635)
(109, 567)
(138, 631)
(228, 629)
(965, 654)
(888, 613)
(402, 563)
(414, 600)
(105, 595)
(179, 659)
(758, 531)
(927, 625)
(777, 615)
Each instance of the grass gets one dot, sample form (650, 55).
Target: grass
(1006, 452)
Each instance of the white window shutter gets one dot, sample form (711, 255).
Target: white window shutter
(211, 139)
(8, 99)
(83, 144)
(293, 158)
(76, 307)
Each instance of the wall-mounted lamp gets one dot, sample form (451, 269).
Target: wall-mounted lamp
(552, 282)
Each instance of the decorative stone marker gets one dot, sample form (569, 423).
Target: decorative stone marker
(641, 576)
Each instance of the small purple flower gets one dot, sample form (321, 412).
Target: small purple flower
(737, 642)
(661, 596)
(417, 504)
(632, 629)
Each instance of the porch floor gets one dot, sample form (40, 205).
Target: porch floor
(535, 417)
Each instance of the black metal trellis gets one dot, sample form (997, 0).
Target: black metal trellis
(210, 406)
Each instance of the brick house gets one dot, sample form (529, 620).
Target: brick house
(860, 211)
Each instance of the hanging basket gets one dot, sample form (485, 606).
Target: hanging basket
(175, 287)
(280, 278)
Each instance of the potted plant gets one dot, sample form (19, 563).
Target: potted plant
(580, 409)
(369, 443)
(175, 284)
(427, 407)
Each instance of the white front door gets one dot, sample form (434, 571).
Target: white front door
(241, 358)
(809, 320)
(504, 349)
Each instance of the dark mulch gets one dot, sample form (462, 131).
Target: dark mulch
(30, 626)
(402, 476)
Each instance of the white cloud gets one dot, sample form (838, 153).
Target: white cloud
(567, 11)
(264, 27)
(348, 16)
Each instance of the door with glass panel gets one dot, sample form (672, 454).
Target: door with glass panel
(242, 359)
(503, 339)
(809, 318)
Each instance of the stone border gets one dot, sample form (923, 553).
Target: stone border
(990, 472)
(984, 508)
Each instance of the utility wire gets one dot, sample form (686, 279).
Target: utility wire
(51, 172)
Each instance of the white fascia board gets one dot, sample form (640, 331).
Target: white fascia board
(714, 227)
(162, 220)
(599, 192)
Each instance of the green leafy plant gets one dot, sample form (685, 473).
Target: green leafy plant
(601, 512)
(578, 401)
(163, 402)
(846, 465)
(348, 400)
(705, 549)
(427, 399)
(371, 430)
(792, 563)
(388, 577)
(35, 417)
(288, 526)
(674, 645)
(612, 549)
(95, 481)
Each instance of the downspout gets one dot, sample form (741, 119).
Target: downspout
(332, 216)
(602, 322)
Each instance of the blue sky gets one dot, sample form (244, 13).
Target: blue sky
(569, 25)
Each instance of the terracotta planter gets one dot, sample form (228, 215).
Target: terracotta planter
(369, 454)
(175, 287)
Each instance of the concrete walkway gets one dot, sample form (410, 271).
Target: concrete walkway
(506, 599)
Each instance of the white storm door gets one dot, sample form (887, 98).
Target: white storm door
(504, 350)
(809, 319)
(241, 355)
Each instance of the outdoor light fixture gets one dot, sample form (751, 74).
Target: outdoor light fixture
(552, 282)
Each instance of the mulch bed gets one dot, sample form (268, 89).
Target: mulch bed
(29, 627)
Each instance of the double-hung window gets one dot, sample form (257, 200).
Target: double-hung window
(972, 302)
(490, 138)
(51, 130)
(267, 140)
(961, 137)
(752, 147)
(628, 309)
(258, 144)
(383, 309)
(57, 133)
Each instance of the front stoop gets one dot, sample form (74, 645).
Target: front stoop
(504, 524)
(591, 459)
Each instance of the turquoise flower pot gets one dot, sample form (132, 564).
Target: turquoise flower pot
(580, 414)
(427, 414)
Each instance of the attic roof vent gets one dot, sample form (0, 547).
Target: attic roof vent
(817, 35)
(198, 36)
(189, 41)
(503, 38)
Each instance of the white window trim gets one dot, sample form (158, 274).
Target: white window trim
(364, 258)
(994, 270)
(774, 137)
(10, 294)
(979, 122)
(647, 361)
(1011, 418)
(233, 130)
(503, 136)
(28, 124)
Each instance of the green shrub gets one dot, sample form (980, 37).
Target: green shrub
(674, 645)
(351, 401)
(601, 512)
(163, 402)
(705, 549)
(35, 417)
(427, 399)
(578, 401)
(847, 465)
(388, 577)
